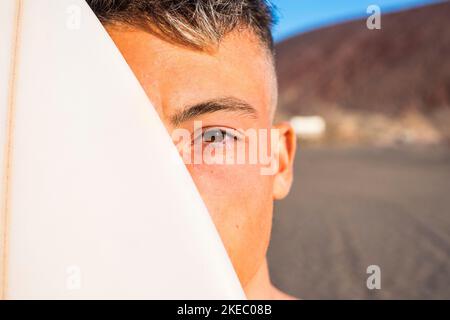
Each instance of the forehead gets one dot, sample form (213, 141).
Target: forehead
(174, 76)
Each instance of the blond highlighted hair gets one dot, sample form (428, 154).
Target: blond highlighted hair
(196, 23)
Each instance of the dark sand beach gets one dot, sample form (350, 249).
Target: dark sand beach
(359, 206)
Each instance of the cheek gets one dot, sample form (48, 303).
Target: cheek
(237, 188)
(239, 200)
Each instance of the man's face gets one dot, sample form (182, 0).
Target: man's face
(230, 90)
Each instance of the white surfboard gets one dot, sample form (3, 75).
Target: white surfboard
(95, 200)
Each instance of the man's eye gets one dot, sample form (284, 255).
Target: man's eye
(217, 136)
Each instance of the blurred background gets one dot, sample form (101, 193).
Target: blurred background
(371, 109)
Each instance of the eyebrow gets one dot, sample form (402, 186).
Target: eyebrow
(228, 104)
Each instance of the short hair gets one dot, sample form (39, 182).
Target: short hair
(195, 23)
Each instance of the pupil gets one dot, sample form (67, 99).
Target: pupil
(215, 136)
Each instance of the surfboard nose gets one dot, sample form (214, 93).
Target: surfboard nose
(88, 210)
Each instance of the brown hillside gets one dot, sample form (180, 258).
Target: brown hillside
(403, 66)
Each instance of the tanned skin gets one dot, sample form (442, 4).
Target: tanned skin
(238, 197)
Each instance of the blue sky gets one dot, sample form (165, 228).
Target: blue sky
(303, 15)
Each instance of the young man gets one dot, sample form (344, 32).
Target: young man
(211, 62)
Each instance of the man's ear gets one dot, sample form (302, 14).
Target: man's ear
(286, 154)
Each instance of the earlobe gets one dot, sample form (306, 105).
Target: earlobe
(287, 148)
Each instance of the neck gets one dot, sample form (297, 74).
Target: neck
(260, 287)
